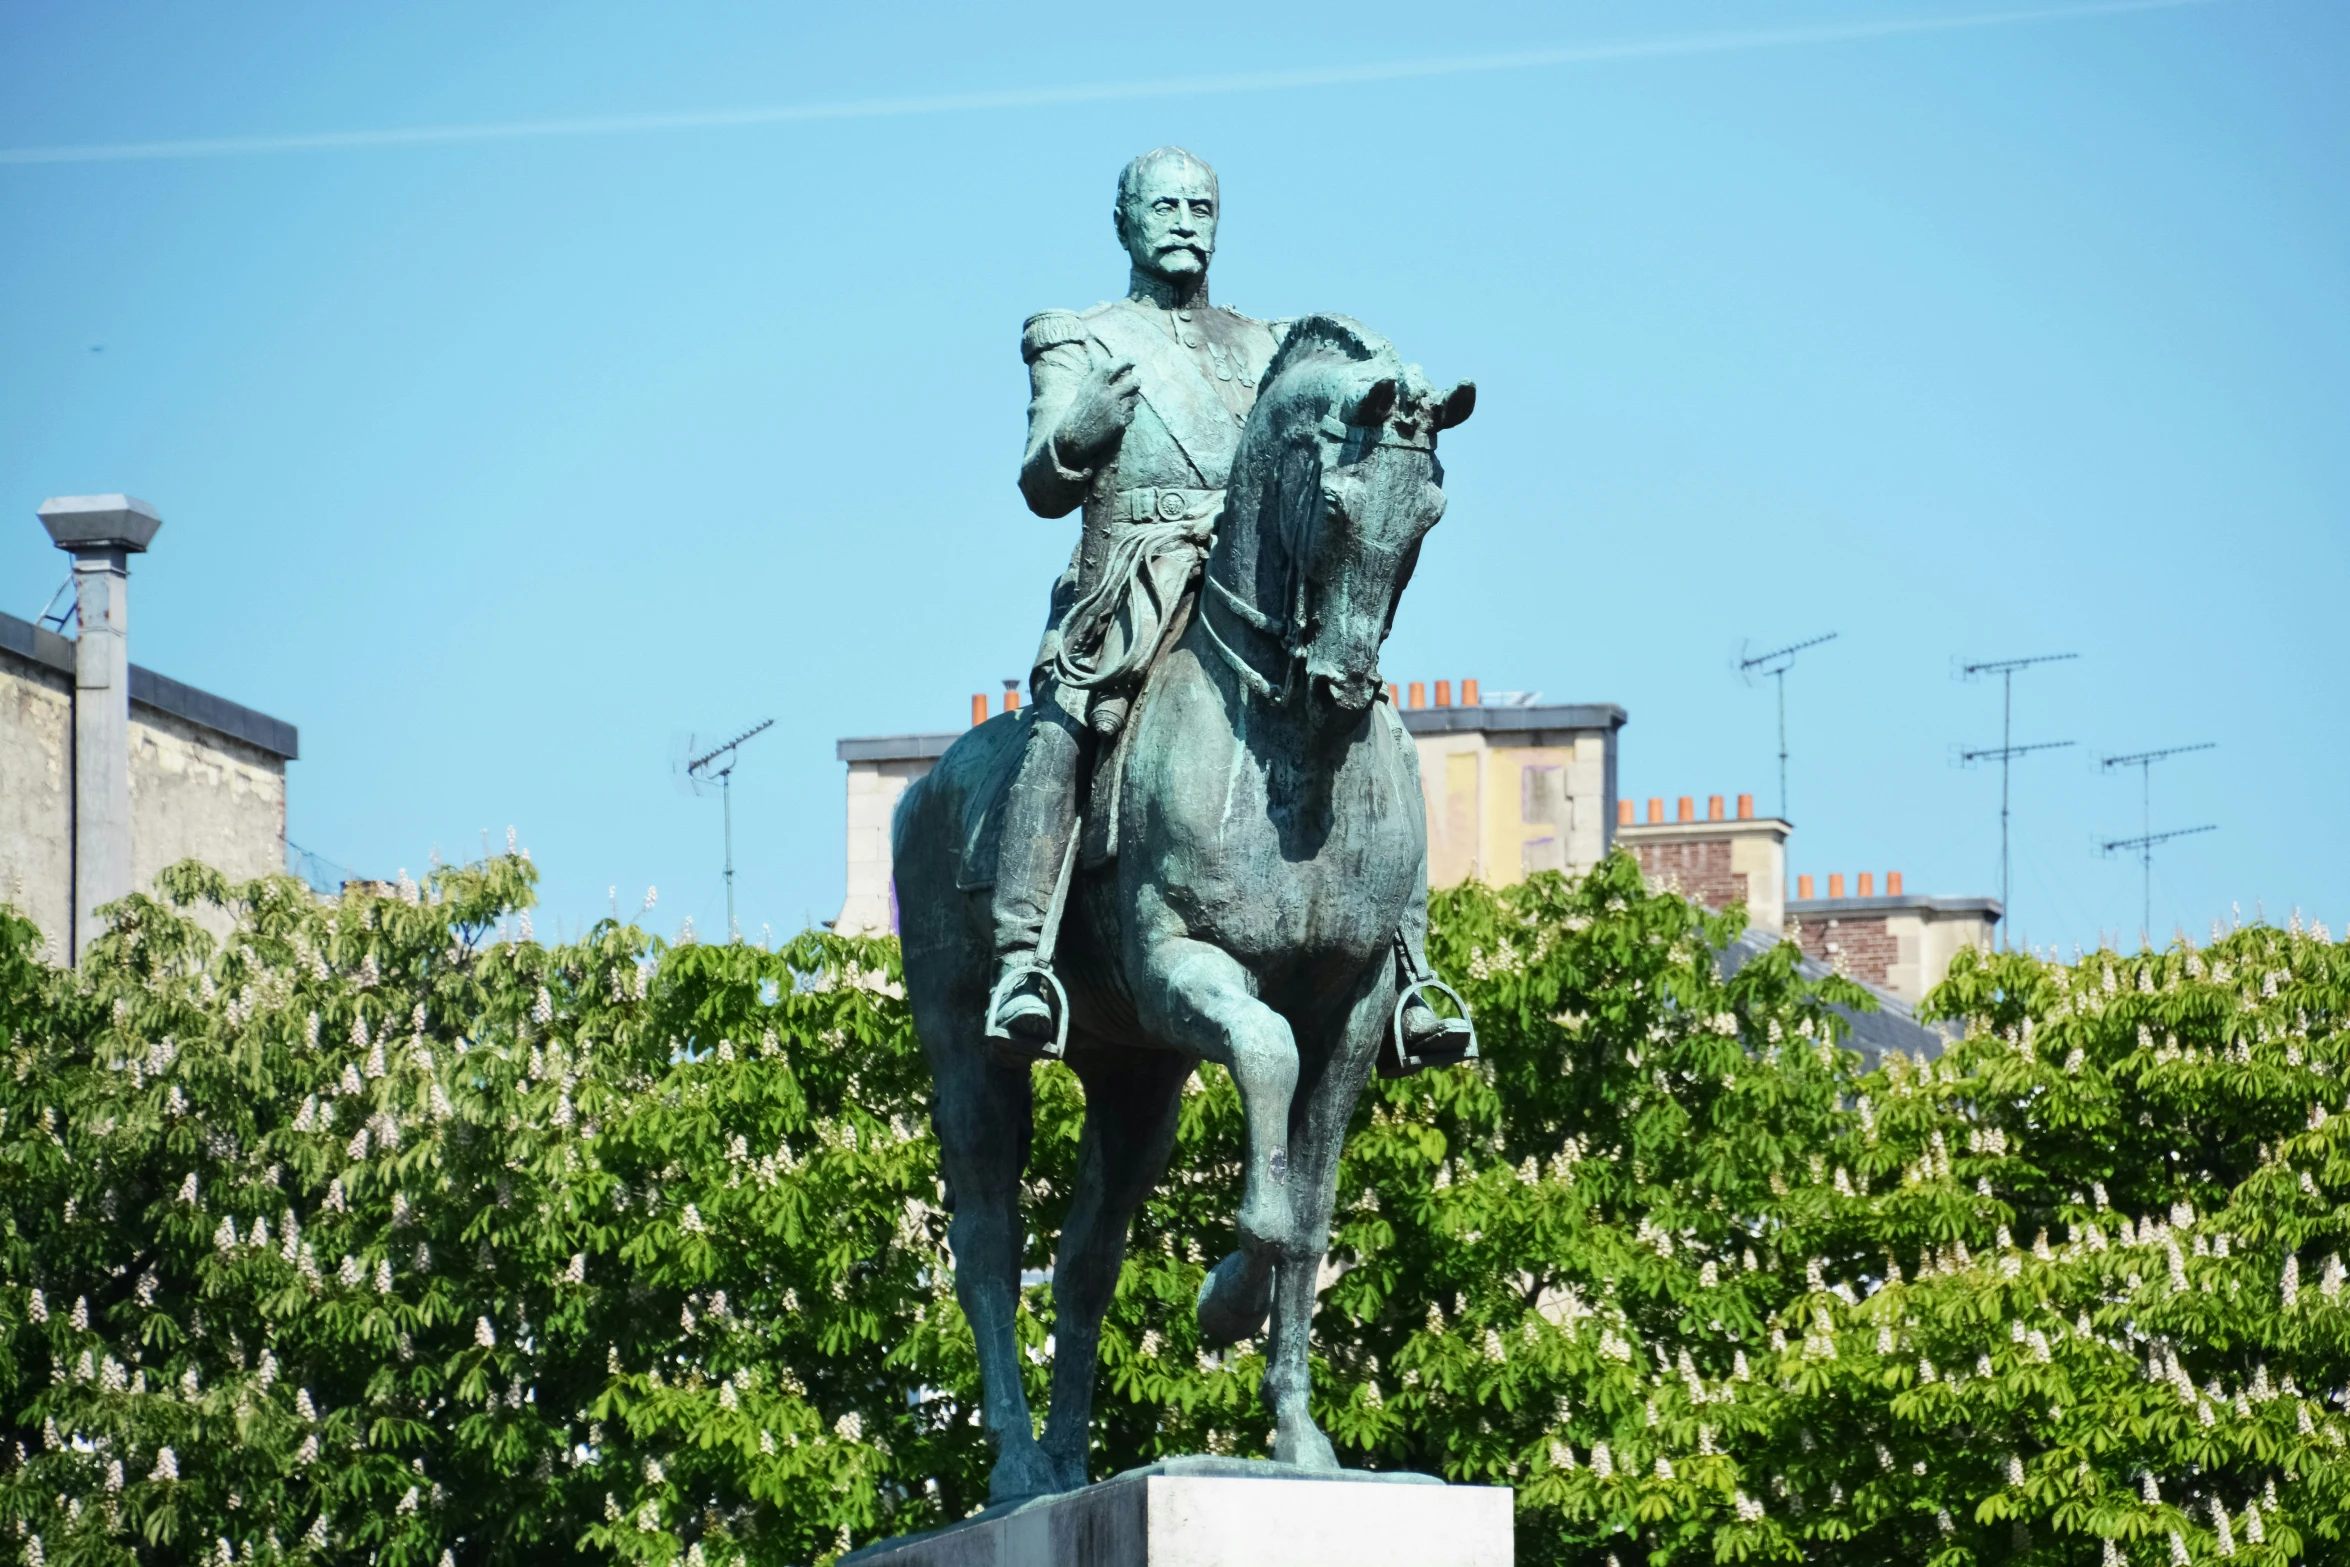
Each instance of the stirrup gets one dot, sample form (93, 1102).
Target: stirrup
(1462, 1028)
(1013, 978)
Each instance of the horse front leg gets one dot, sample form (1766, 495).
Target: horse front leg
(1317, 1137)
(983, 1112)
(1131, 1102)
(1197, 998)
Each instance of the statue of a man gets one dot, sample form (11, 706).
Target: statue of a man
(1136, 408)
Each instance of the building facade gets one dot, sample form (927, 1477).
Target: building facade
(1509, 791)
(109, 771)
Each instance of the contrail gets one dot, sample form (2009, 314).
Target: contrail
(1104, 92)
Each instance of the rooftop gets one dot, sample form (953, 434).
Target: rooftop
(274, 735)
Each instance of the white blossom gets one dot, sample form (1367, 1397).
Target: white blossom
(167, 1466)
(483, 1334)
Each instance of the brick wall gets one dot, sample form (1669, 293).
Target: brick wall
(1864, 949)
(1700, 867)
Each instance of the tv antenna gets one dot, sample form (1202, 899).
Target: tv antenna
(707, 768)
(2005, 752)
(2147, 837)
(1775, 664)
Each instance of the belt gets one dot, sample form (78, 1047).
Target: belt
(1161, 503)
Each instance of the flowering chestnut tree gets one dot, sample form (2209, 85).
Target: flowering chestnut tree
(380, 1230)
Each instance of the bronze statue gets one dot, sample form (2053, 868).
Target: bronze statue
(1247, 880)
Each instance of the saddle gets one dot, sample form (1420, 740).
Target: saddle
(1100, 780)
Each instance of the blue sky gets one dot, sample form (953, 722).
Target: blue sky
(497, 463)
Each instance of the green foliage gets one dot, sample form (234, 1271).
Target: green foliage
(406, 1237)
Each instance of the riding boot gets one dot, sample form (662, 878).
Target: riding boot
(1429, 1038)
(1040, 813)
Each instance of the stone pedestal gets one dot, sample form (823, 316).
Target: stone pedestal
(1224, 1512)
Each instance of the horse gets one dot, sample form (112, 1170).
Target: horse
(1271, 838)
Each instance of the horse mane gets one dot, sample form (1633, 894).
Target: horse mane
(1317, 335)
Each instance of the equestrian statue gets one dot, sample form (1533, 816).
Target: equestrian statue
(1204, 837)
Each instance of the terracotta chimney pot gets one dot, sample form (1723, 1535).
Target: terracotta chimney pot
(1803, 887)
(1623, 813)
(979, 707)
(1835, 884)
(1746, 807)
(1868, 885)
(1713, 807)
(1893, 884)
(1444, 693)
(1656, 810)
(1419, 694)
(1469, 694)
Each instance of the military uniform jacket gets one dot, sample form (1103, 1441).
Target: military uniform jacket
(1199, 371)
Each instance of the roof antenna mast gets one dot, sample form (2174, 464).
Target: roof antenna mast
(2147, 837)
(1775, 664)
(717, 765)
(2005, 752)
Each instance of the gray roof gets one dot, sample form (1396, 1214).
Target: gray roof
(161, 692)
(1853, 908)
(1893, 1026)
(1493, 720)
(895, 748)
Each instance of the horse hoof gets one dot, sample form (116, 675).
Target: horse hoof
(1234, 1299)
(1021, 1477)
(1302, 1443)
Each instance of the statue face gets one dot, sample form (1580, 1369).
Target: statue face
(1169, 225)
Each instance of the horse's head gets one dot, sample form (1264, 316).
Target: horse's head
(1334, 487)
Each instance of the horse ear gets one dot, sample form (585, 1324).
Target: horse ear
(1371, 405)
(1458, 404)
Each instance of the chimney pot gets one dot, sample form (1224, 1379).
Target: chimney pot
(979, 707)
(1893, 884)
(1746, 807)
(1419, 693)
(1835, 884)
(1623, 813)
(1713, 807)
(1394, 697)
(1687, 809)
(1867, 887)
(1011, 696)
(1444, 693)
(1469, 694)
(1656, 810)
(1803, 887)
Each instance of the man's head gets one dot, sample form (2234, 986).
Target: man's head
(1166, 214)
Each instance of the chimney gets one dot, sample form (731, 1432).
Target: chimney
(1713, 807)
(1803, 887)
(978, 707)
(1656, 810)
(1444, 693)
(1623, 813)
(1893, 884)
(1394, 697)
(1419, 694)
(1835, 884)
(1687, 809)
(1469, 694)
(1868, 885)
(1746, 807)
(1011, 696)
(102, 533)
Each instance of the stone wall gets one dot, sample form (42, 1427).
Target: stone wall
(36, 793)
(207, 780)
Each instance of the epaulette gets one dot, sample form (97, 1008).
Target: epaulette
(1049, 329)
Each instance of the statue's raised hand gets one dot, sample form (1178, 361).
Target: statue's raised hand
(1099, 411)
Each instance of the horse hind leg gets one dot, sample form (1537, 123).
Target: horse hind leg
(983, 1113)
(1132, 1099)
(1196, 997)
